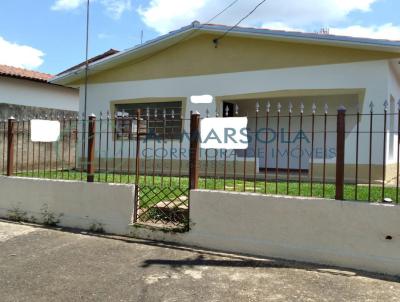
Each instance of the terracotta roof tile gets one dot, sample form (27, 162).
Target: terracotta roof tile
(21, 73)
(106, 54)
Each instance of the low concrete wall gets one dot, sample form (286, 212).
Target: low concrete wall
(341, 233)
(82, 205)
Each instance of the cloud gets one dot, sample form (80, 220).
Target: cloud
(281, 26)
(167, 15)
(103, 36)
(17, 55)
(387, 31)
(67, 4)
(164, 16)
(113, 8)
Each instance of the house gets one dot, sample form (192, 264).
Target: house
(101, 56)
(26, 93)
(251, 68)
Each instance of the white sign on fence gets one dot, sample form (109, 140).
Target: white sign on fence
(224, 133)
(45, 131)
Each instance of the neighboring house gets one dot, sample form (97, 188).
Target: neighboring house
(106, 54)
(25, 93)
(251, 65)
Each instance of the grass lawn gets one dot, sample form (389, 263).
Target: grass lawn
(229, 185)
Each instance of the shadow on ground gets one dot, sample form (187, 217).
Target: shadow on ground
(208, 258)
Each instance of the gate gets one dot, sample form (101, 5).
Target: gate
(168, 206)
(167, 168)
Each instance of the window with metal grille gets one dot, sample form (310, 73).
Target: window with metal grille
(153, 122)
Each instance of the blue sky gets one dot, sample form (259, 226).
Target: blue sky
(48, 35)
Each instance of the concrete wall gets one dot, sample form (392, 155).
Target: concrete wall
(24, 112)
(340, 233)
(394, 82)
(30, 93)
(29, 156)
(82, 205)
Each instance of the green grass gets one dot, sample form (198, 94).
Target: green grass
(174, 183)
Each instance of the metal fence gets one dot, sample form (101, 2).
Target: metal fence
(291, 151)
(22, 157)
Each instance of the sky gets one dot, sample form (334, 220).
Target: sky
(49, 35)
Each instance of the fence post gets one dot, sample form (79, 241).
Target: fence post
(340, 147)
(137, 175)
(137, 167)
(10, 146)
(91, 148)
(194, 155)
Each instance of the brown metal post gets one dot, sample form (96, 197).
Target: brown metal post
(194, 155)
(10, 146)
(340, 147)
(137, 167)
(91, 148)
(137, 175)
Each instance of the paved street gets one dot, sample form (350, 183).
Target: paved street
(38, 264)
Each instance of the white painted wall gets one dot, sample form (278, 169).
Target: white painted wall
(36, 94)
(340, 233)
(393, 99)
(370, 77)
(394, 83)
(82, 204)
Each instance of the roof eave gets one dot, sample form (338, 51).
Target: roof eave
(163, 41)
(118, 58)
(341, 41)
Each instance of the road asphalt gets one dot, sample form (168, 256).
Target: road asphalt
(41, 264)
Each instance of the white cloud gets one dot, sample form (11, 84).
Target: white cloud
(167, 15)
(67, 4)
(113, 8)
(164, 16)
(103, 36)
(17, 55)
(387, 31)
(280, 26)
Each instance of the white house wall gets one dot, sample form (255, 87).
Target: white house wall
(393, 98)
(370, 77)
(394, 84)
(35, 94)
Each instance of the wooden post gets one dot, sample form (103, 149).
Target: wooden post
(340, 149)
(194, 155)
(137, 167)
(10, 146)
(91, 148)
